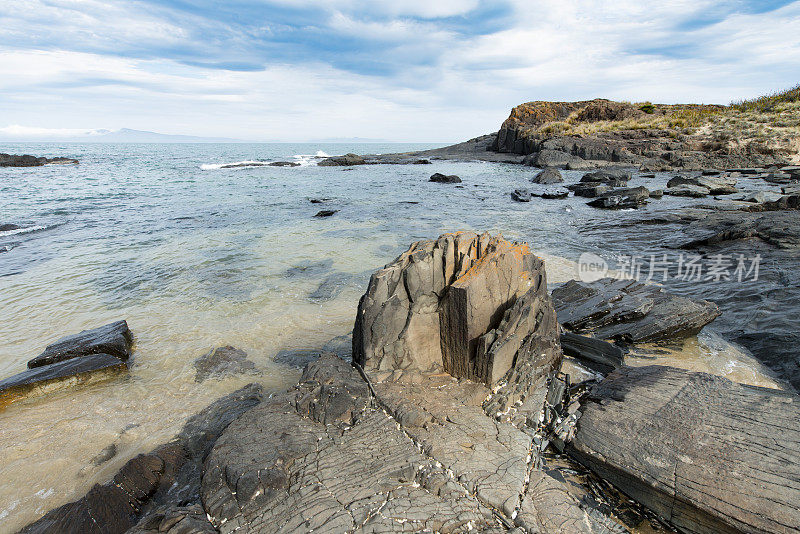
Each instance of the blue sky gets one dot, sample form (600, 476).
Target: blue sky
(417, 70)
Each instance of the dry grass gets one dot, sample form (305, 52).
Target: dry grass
(770, 102)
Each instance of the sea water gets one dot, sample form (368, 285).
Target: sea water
(195, 254)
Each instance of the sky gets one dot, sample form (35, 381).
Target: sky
(416, 70)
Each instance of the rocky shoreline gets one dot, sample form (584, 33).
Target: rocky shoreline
(458, 413)
(26, 160)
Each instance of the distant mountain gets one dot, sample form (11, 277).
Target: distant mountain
(349, 140)
(124, 135)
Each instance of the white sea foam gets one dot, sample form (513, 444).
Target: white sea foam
(310, 159)
(233, 165)
(22, 230)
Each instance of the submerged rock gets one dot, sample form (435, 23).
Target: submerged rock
(444, 179)
(549, 175)
(43, 379)
(169, 476)
(702, 452)
(521, 195)
(13, 160)
(8, 227)
(325, 213)
(628, 310)
(221, 362)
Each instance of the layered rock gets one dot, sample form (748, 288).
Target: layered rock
(706, 454)
(84, 358)
(453, 304)
(631, 311)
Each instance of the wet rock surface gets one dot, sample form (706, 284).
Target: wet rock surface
(80, 359)
(13, 160)
(160, 486)
(521, 195)
(625, 198)
(630, 311)
(342, 161)
(221, 362)
(694, 447)
(440, 178)
(549, 175)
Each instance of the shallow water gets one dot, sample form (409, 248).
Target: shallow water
(196, 256)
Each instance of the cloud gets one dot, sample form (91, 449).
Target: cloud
(413, 70)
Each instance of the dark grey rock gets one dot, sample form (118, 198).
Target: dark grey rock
(9, 227)
(222, 362)
(554, 194)
(284, 164)
(342, 161)
(166, 478)
(444, 179)
(630, 311)
(694, 191)
(297, 357)
(716, 185)
(589, 190)
(607, 176)
(629, 198)
(657, 193)
(694, 447)
(13, 160)
(114, 339)
(342, 346)
(550, 175)
(43, 379)
(521, 195)
(596, 354)
(326, 213)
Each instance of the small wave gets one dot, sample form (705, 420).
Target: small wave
(23, 230)
(234, 165)
(310, 159)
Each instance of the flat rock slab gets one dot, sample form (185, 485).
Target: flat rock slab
(114, 339)
(631, 311)
(706, 454)
(321, 458)
(76, 371)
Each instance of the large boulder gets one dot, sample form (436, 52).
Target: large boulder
(704, 453)
(549, 175)
(631, 311)
(454, 304)
(440, 178)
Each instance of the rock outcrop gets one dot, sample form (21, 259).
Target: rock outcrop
(630, 311)
(464, 304)
(84, 358)
(625, 198)
(13, 160)
(342, 161)
(702, 452)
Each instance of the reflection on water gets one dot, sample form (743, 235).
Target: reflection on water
(195, 259)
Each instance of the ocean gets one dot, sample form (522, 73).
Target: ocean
(195, 254)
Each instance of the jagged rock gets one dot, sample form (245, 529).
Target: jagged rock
(597, 354)
(629, 198)
(431, 308)
(175, 520)
(342, 161)
(13, 160)
(222, 361)
(630, 311)
(704, 453)
(41, 380)
(694, 191)
(716, 185)
(114, 339)
(521, 195)
(325, 213)
(550, 175)
(169, 476)
(444, 179)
